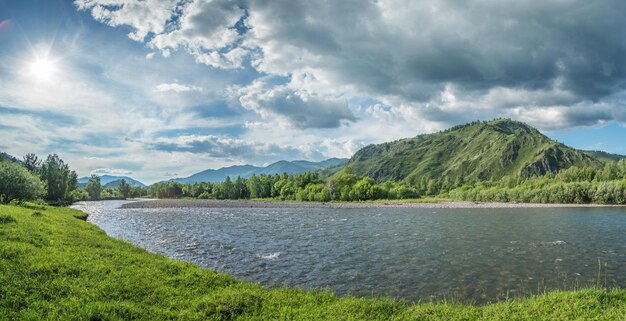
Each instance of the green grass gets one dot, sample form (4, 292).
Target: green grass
(54, 266)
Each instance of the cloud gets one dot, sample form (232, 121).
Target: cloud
(207, 30)
(145, 17)
(401, 53)
(300, 107)
(407, 52)
(111, 171)
(232, 148)
(175, 87)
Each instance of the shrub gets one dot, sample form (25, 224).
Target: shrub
(17, 183)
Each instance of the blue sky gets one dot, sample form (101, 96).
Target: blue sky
(158, 89)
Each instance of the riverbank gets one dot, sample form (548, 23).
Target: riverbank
(417, 203)
(56, 266)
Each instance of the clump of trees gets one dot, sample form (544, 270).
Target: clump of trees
(32, 178)
(301, 187)
(57, 177)
(53, 181)
(575, 185)
(93, 187)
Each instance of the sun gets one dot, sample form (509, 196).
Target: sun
(42, 69)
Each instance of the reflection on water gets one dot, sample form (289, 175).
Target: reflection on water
(474, 255)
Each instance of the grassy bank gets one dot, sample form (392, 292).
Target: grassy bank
(54, 266)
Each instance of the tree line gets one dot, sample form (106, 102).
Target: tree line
(309, 186)
(32, 178)
(94, 190)
(575, 185)
(52, 181)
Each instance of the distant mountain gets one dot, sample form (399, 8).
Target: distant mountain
(473, 152)
(111, 181)
(604, 156)
(245, 171)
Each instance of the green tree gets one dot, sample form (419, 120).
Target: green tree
(17, 183)
(31, 162)
(93, 187)
(124, 188)
(58, 179)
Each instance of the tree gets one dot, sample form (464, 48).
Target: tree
(124, 188)
(17, 183)
(93, 187)
(31, 162)
(57, 178)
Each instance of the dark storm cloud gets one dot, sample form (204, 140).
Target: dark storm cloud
(411, 48)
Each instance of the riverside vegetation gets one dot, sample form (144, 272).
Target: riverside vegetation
(56, 266)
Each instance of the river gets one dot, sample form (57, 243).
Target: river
(416, 254)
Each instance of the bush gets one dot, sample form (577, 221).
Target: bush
(17, 183)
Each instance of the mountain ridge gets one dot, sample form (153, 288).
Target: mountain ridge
(245, 171)
(476, 151)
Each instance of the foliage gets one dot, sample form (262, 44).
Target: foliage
(124, 188)
(94, 188)
(301, 187)
(56, 267)
(59, 180)
(17, 183)
(575, 185)
(31, 162)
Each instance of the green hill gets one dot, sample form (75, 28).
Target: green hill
(604, 156)
(472, 152)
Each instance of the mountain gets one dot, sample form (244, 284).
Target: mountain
(470, 152)
(111, 181)
(218, 175)
(604, 156)
(245, 171)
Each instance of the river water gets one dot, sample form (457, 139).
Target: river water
(470, 255)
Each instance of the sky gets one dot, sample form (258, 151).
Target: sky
(156, 89)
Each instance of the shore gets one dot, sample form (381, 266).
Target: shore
(178, 203)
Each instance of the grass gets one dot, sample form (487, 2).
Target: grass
(54, 266)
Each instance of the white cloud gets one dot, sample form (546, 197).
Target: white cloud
(145, 17)
(111, 171)
(175, 87)
(300, 107)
